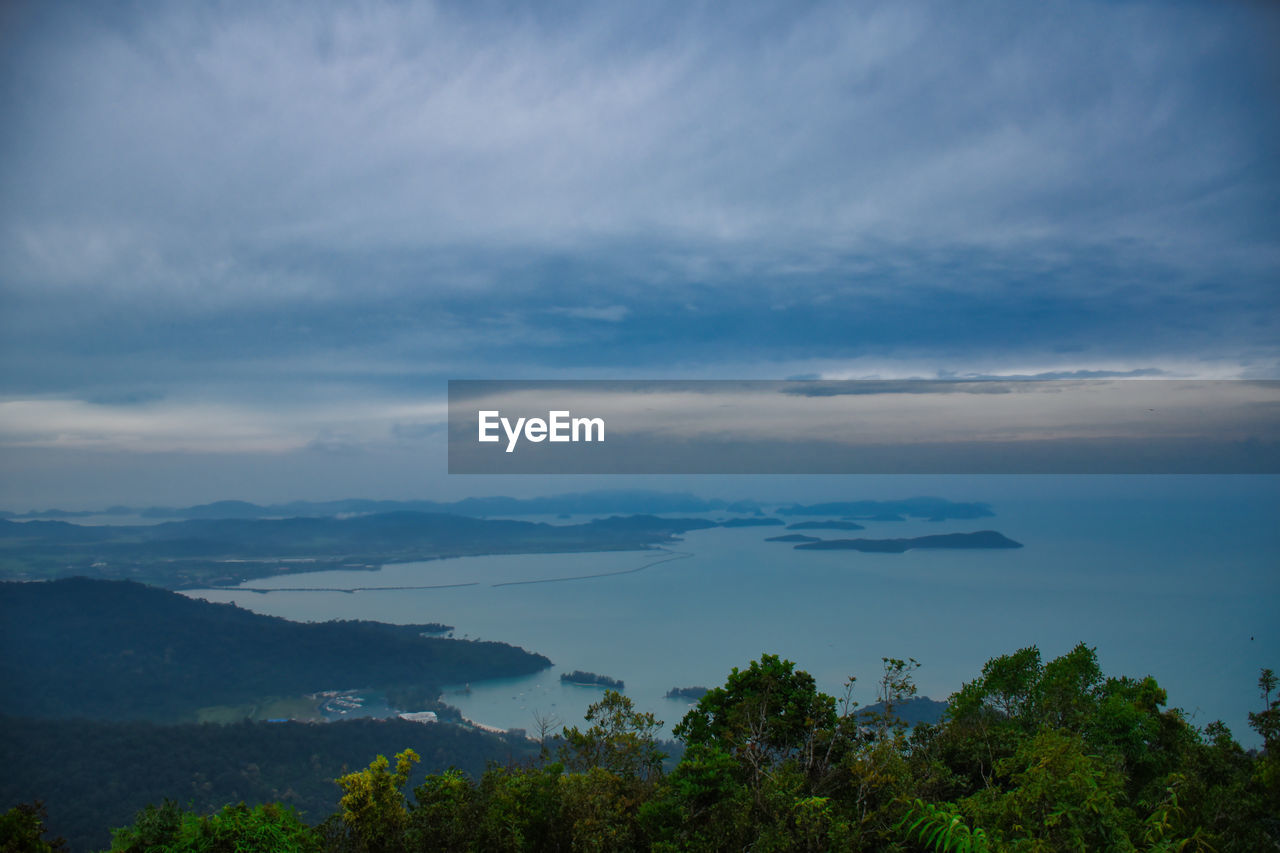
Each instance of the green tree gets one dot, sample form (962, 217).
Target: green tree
(237, 828)
(1267, 721)
(599, 809)
(444, 814)
(521, 809)
(1007, 687)
(703, 804)
(153, 828)
(22, 829)
(1055, 797)
(897, 686)
(1067, 691)
(1267, 772)
(1148, 743)
(234, 829)
(622, 740)
(764, 715)
(373, 805)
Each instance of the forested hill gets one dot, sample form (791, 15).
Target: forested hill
(93, 776)
(121, 650)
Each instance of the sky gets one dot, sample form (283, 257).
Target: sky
(243, 246)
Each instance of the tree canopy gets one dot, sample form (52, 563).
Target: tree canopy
(1032, 755)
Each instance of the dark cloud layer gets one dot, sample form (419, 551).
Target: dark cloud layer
(283, 208)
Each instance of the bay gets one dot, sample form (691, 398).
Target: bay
(1164, 584)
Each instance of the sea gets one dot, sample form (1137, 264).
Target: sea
(1176, 578)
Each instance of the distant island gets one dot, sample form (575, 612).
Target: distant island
(621, 501)
(229, 542)
(794, 537)
(693, 694)
(983, 539)
(224, 552)
(933, 509)
(825, 525)
(590, 679)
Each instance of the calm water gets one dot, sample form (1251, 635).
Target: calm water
(1169, 585)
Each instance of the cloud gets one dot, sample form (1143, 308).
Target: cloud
(189, 425)
(324, 204)
(608, 314)
(385, 126)
(1135, 373)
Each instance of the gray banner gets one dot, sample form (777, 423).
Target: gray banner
(1094, 426)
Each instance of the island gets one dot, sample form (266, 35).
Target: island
(933, 509)
(693, 694)
(794, 537)
(825, 525)
(753, 522)
(590, 679)
(983, 539)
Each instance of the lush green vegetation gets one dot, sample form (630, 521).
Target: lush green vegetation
(1031, 756)
(121, 650)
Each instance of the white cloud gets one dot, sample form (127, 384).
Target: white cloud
(608, 313)
(169, 425)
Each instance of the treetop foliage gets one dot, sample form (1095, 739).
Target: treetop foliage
(1032, 755)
